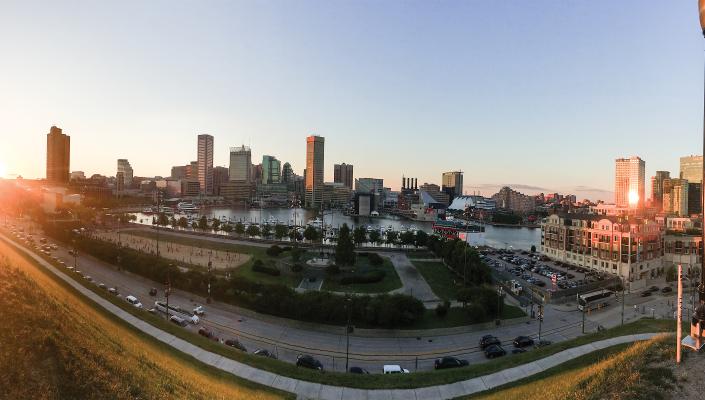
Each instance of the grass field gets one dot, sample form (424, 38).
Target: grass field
(57, 346)
(628, 371)
(390, 282)
(440, 278)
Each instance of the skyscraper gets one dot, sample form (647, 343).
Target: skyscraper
(205, 163)
(692, 169)
(124, 166)
(287, 173)
(452, 184)
(629, 182)
(314, 171)
(241, 164)
(657, 188)
(343, 173)
(271, 170)
(58, 156)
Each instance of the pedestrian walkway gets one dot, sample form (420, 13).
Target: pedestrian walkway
(413, 282)
(311, 390)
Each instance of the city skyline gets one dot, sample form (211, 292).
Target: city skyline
(606, 87)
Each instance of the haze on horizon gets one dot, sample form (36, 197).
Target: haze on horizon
(540, 95)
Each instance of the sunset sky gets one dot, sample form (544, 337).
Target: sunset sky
(540, 95)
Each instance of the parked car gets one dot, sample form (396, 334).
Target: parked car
(102, 286)
(236, 344)
(523, 341)
(494, 351)
(489, 340)
(177, 320)
(654, 289)
(205, 332)
(666, 289)
(358, 370)
(113, 291)
(394, 369)
(265, 353)
(307, 361)
(449, 362)
(199, 310)
(646, 293)
(153, 291)
(133, 300)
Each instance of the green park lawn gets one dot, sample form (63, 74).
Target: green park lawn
(439, 277)
(390, 282)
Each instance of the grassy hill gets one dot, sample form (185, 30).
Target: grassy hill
(53, 345)
(637, 371)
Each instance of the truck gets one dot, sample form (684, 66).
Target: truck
(178, 311)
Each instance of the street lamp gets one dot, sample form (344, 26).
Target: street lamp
(348, 305)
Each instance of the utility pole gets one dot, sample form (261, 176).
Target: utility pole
(624, 299)
(701, 287)
(679, 333)
(159, 217)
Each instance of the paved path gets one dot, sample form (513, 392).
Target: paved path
(412, 281)
(310, 390)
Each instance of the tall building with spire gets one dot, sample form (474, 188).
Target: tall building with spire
(205, 163)
(343, 173)
(58, 156)
(314, 171)
(629, 182)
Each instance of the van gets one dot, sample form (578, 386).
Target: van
(178, 320)
(394, 369)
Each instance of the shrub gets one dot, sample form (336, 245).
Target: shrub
(369, 277)
(259, 266)
(375, 259)
(274, 251)
(442, 309)
(332, 270)
(297, 267)
(476, 312)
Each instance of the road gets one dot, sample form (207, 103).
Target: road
(288, 338)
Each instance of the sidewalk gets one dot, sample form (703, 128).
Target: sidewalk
(310, 390)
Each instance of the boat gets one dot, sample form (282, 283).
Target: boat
(188, 208)
(316, 223)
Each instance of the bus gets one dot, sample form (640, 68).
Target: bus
(593, 300)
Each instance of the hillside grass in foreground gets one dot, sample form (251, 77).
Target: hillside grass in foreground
(55, 346)
(624, 372)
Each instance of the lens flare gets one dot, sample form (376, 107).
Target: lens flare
(633, 198)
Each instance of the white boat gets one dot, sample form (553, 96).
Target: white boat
(188, 208)
(316, 223)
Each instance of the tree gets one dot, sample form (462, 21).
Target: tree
(294, 235)
(239, 228)
(203, 223)
(252, 230)
(345, 249)
(227, 228)
(215, 224)
(310, 233)
(162, 220)
(359, 235)
(392, 237)
(183, 223)
(407, 238)
(280, 231)
(194, 225)
(375, 237)
(421, 238)
(533, 248)
(266, 230)
(173, 222)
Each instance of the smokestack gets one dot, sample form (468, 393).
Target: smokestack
(416, 183)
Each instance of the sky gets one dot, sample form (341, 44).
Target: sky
(539, 95)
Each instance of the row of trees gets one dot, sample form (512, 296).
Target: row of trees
(462, 259)
(389, 311)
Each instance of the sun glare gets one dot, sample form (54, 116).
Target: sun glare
(2, 170)
(633, 197)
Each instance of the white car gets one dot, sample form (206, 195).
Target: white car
(395, 369)
(133, 300)
(199, 310)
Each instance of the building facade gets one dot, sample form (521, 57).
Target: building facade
(629, 182)
(241, 164)
(343, 173)
(509, 199)
(657, 188)
(220, 176)
(314, 171)
(123, 165)
(205, 163)
(452, 183)
(271, 170)
(629, 248)
(58, 156)
(692, 168)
